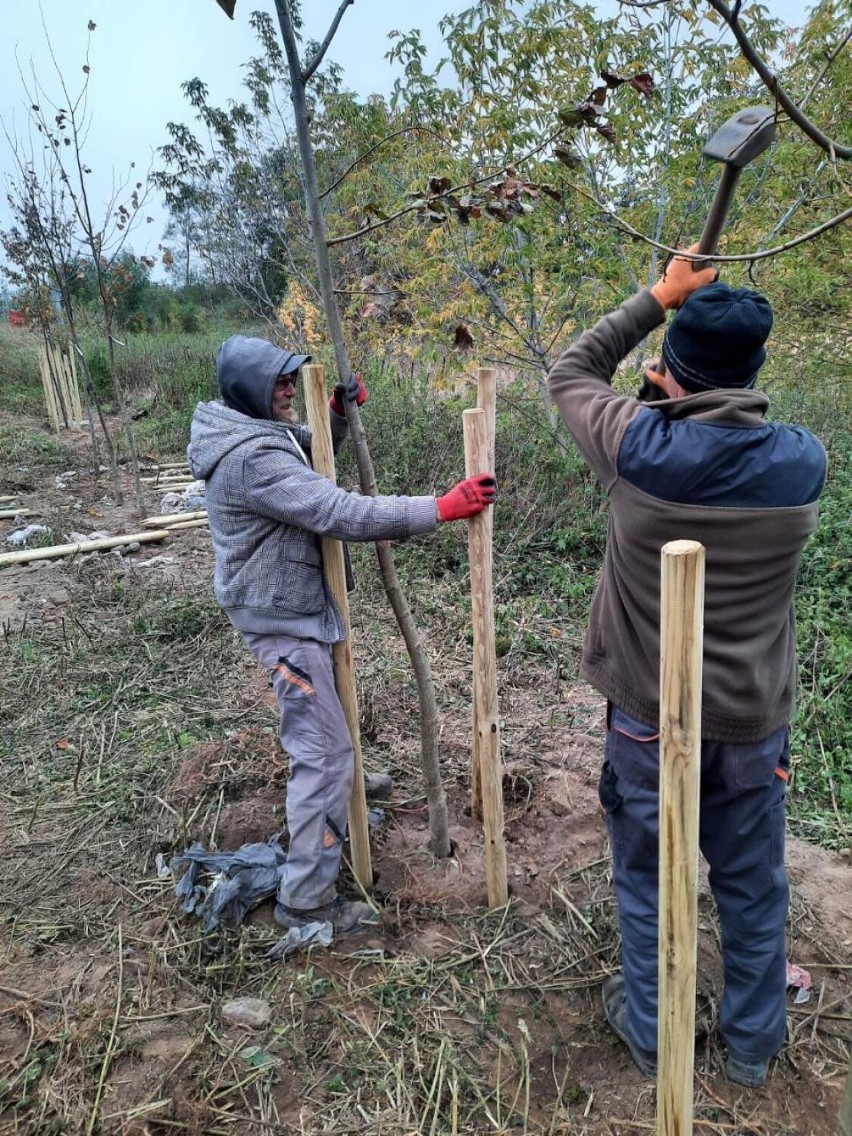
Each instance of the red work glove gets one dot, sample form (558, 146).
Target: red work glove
(468, 498)
(353, 390)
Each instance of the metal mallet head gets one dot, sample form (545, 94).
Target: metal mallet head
(742, 137)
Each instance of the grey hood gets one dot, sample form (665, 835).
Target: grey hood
(246, 370)
(216, 430)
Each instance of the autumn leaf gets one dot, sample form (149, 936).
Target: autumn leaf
(608, 131)
(598, 96)
(643, 83)
(612, 80)
(92, 25)
(227, 7)
(462, 339)
(62, 743)
(439, 185)
(86, 69)
(497, 211)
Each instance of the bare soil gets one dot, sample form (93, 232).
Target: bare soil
(445, 1018)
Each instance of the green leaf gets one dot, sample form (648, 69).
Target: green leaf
(256, 1057)
(568, 158)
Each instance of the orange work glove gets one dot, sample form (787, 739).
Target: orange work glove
(468, 498)
(681, 279)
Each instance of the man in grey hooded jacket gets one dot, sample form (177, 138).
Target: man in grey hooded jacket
(267, 510)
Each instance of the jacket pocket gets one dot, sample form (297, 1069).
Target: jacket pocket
(297, 586)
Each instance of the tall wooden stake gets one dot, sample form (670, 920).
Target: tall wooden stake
(486, 712)
(681, 649)
(486, 399)
(316, 402)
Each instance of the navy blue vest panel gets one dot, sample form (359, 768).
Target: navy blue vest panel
(689, 461)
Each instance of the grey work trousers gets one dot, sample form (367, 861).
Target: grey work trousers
(741, 834)
(314, 733)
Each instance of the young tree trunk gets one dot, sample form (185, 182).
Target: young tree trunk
(439, 839)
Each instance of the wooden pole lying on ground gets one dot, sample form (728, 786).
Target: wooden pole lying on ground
(187, 524)
(681, 650)
(486, 711)
(169, 519)
(57, 550)
(8, 514)
(316, 402)
(486, 400)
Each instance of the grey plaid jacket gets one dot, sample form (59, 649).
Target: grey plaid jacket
(267, 509)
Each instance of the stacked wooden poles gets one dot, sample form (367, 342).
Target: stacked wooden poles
(61, 390)
(486, 710)
(316, 402)
(486, 400)
(681, 649)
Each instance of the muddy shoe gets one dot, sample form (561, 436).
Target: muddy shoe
(345, 915)
(612, 994)
(752, 1074)
(378, 786)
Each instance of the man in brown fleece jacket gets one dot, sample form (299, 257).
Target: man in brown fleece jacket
(701, 463)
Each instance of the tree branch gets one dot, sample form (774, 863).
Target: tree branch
(770, 80)
(323, 47)
(746, 258)
(362, 232)
(372, 150)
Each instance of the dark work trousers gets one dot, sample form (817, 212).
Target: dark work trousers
(741, 834)
(316, 738)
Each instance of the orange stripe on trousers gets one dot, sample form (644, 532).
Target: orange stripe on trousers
(294, 679)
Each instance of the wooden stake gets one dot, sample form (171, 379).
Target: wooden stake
(486, 712)
(681, 650)
(188, 524)
(8, 514)
(49, 394)
(169, 519)
(316, 402)
(12, 497)
(57, 550)
(486, 400)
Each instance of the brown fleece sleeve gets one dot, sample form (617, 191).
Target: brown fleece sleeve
(579, 383)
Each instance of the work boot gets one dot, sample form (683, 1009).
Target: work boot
(378, 786)
(345, 915)
(614, 1001)
(752, 1074)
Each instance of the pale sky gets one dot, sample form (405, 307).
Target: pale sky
(141, 53)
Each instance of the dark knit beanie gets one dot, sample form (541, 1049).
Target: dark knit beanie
(717, 338)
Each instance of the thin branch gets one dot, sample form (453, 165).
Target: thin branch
(764, 254)
(323, 47)
(771, 82)
(831, 57)
(372, 150)
(455, 189)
